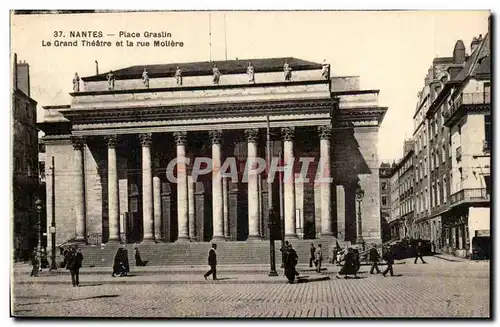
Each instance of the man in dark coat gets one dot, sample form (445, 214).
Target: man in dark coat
(212, 262)
(34, 263)
(351, 264)
(291, 259)
(374, 258)
(312, 257)
(75, 260)
(419, 252)
(389, 259)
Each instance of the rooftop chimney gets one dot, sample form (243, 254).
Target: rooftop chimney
(96, 67)
(476, 41)
(23, 77)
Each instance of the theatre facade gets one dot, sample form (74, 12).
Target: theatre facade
(126, 151)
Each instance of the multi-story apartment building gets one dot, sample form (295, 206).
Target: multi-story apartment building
(394, 221)
(385, 199)
(452, 133)
(402, 184)
(25, 162)
(468, 116)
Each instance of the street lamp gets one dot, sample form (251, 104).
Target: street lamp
(38, 207)
(360, 194)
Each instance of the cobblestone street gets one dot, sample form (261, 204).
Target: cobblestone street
(437, 289)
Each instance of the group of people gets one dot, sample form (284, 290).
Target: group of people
(72, 261)
(121, 266)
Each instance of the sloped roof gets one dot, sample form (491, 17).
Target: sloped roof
(477, 62)
(205, 68)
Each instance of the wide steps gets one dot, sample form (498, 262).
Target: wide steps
(165, 254)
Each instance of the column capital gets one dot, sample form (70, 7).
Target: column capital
(77, 142)
(215, 136)
(145, 139)
(180, 138)
(288, 133)
(325, 132)
(111, 140)
(252, 134)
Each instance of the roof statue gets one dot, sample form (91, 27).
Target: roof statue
(178, 76)
(251, 73)
(217, 74)
(288, 71)
(111, 80)
(145, 78)
(325, 70)
(76, 83)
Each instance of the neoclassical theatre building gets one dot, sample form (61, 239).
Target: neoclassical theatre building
(114, 145)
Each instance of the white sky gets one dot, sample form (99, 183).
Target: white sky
(390, 51)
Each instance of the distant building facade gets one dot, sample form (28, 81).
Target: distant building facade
(385, 199)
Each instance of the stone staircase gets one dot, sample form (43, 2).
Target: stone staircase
(165, 254)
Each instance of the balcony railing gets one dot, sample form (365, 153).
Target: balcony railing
(471, 195)
(478, 98)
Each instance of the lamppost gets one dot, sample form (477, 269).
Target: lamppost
(271, 215)
(360, 194)
(38, 207)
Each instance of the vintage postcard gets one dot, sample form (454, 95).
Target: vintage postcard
(251, 164)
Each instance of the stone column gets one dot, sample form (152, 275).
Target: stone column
(253, 187)
(340, 212)
(225, 202)
(325, 133)
(288, 134)
(182, 192)
(217, 203)
(157, 207)
(147, 188)
(78, 145)
(113, 203)
(191, 214)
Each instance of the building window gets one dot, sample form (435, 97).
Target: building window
(445, 193)
(384, 186)
(384, 200)
(443, 152)
(487, 132)
(438, 193)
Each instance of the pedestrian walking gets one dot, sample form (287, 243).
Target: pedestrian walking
(212, 262)
(34, 263)
(120, 263)
(350, 266)
(311, 258)
(419, 251)
(374, 258)
(138, 259)
(74, 265)
(318, 258)
(389, 259)
(291, 259)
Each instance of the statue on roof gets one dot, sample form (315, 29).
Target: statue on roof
(111, 80)
(178, 76)
(217, 74)
(326, 70)
(251, 73)
(288, 71)
(145, 78)
(76, 83)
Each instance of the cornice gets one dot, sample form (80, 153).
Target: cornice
(257, 108)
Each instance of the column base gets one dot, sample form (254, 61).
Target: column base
(148, 240)
(254, 238)
(218, 238)
(328, 235)
(114, 241)
(193, 239)
(291, 236)
(183, 239)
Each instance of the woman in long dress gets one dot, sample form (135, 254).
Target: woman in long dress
(351, 264)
